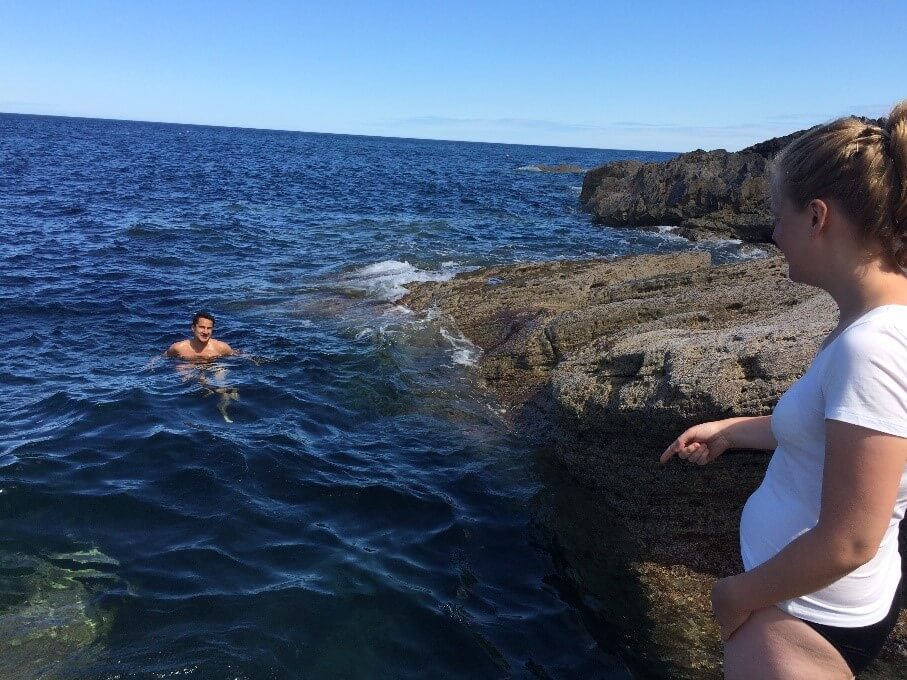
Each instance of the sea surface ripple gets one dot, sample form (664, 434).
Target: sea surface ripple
(342, 502)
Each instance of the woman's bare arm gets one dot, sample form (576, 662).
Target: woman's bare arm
(703, 443)
(754, 432)
(860, 483)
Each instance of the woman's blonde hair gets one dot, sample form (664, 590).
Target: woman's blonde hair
(862, 166)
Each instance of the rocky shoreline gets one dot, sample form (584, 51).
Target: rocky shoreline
(607, 361)
(701, 194)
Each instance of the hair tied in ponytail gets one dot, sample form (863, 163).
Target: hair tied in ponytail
(886, 140)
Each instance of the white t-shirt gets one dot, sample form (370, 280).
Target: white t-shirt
(859, 378)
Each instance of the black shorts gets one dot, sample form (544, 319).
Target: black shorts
(859, 646)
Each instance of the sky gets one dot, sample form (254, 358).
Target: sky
(644, 74)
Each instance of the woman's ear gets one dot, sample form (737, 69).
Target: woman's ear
(818, 212)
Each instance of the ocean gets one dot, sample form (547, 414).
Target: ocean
(344, 500)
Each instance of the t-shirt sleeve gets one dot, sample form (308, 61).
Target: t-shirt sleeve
(865, 381)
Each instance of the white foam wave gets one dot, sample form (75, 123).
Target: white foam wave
(743, 252)
(464, 352)
(385, 280)
(530, 168)
(397, 311)
(666, 232)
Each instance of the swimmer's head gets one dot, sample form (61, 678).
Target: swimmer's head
(202, 315)
(202, 326)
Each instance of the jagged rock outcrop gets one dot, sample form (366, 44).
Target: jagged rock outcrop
(703, 193)
(612, 359)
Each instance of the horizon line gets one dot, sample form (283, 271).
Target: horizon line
(337, 134)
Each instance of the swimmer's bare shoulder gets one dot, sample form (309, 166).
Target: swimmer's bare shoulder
(180, 350)
(223, 349)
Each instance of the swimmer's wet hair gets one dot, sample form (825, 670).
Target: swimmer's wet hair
(862, 166)
(202, 315)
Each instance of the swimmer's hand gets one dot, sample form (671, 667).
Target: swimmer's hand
(154, 361)
(243, 355)
(701, 444)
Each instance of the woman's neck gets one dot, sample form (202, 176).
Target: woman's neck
(868, 286)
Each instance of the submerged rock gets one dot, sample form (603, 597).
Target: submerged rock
(567, 168)
(47, 622)
(609, 361)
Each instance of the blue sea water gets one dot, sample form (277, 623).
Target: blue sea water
(349, 504)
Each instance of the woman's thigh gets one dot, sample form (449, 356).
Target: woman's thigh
(774, 645)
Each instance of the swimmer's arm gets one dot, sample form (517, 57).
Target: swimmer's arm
(230, 352)
(172, 351)
(242, 355)
(863, 469)
(154, 361)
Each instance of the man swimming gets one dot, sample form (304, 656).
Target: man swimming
(202, 346)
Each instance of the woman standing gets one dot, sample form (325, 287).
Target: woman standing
(819, 538)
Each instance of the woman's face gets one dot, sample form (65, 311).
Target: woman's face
(792, 236)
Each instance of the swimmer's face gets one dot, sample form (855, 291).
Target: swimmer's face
(203, 329)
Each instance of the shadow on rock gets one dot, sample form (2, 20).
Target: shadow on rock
(610, 361)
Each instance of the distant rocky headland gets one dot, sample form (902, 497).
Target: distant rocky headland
(704, 194)
(608, 360)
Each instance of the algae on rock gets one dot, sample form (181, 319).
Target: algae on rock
(47, 621)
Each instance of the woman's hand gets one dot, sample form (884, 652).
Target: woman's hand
(730, 611)
(700, 444)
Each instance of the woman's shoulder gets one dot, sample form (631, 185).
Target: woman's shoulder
(880, 328)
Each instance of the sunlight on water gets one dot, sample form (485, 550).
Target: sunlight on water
(343, 501)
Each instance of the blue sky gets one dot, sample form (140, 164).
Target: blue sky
(638, 75)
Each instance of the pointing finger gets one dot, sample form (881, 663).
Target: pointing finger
(669, 452)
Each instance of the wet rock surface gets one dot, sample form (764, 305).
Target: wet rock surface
(608, 361)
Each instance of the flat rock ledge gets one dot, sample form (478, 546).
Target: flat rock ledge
(608, 361)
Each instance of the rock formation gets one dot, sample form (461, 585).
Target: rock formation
(49, 626)
(705, 194)
(608, 361)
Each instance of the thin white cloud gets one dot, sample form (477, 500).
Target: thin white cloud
(494, 122)
(664, 135)
(24, 106)
(637, 134)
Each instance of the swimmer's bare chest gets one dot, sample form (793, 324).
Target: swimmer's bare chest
(183, 350)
